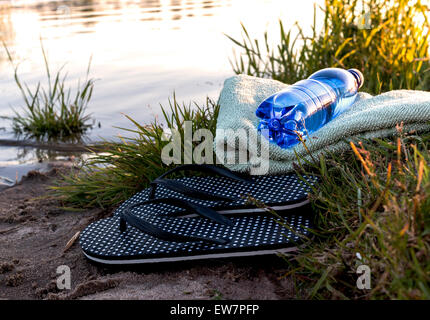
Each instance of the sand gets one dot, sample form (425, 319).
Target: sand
(34, 231)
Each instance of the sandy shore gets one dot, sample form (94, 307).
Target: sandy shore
(34, 231)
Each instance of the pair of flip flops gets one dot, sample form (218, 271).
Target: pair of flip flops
(202, 217)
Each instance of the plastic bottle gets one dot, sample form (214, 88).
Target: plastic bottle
(307, 105)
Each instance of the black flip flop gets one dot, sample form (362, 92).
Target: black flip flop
(228, 192)
(187, 226)
(144, 233)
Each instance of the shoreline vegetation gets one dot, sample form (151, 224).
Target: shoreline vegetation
(372, 205)
(387, 41)
(53, 113)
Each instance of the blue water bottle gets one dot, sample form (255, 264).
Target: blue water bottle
(307, 105)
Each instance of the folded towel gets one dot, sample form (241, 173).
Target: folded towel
(369, 117)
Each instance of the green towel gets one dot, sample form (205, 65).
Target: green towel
(369, 117)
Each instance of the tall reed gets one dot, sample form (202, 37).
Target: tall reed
(126, 167)
(387, 40)
(53, 112)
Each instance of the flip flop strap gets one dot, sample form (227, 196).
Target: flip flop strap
(179, 187)
(146, 227)
(207, 168)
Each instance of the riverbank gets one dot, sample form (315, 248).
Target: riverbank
(34, 231)
(19, 157)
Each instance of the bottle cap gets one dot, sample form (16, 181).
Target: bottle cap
(358, 77)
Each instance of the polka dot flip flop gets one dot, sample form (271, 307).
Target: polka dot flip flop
(148, 228)
(228, 192)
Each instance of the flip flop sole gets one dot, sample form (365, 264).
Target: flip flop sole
(281, 192)
(103, 242)
(196, 257)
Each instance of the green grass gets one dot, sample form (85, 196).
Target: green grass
(372, 200)
(53, 112)
(393, 54)
(111, 177)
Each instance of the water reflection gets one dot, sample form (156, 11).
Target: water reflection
(6, 26)
(23, 154)
(88, 13)
(82, 16)
(96, 9)
(18, 161)
(23, 21)
(142, 51)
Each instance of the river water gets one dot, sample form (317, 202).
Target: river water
(142, 52)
